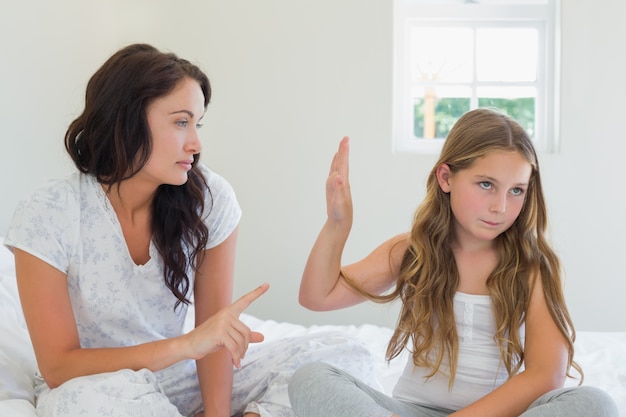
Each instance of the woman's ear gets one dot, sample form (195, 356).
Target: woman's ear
(443, 177)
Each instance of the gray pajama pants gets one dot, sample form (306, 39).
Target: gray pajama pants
(321, 390)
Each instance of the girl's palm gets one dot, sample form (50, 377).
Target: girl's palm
(338, 195)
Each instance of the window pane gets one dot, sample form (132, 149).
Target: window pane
(519, 103)
(507, 54)
(436, 111)
(441, 54)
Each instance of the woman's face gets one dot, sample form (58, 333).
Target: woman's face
(487, 197)
(173, 121)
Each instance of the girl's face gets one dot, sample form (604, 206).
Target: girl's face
(173, 121)
(487, 197)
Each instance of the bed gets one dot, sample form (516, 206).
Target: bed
(602, 354)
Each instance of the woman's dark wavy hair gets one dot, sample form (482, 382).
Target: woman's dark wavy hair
(111, 140)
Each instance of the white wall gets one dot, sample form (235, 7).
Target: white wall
(290, 79)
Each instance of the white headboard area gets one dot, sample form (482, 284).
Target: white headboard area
(284, 93)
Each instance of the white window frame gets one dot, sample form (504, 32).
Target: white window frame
(540, 14)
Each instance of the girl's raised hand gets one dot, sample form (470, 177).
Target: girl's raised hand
(338, 196)
(225, 330)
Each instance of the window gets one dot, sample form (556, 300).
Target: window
(452, 56)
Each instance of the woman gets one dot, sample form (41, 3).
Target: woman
(109, 259)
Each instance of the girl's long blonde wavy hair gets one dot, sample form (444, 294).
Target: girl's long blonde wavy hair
(428, 277)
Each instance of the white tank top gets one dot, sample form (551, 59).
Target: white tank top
(479, 368)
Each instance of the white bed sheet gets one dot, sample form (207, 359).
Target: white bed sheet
(602, 354)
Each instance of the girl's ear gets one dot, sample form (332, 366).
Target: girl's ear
(443, 177)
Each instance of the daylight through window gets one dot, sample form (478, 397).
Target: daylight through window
(454, 56)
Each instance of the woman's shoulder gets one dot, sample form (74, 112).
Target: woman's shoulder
(219, 191)
(214, 179)
(48, 218)
(54, 194)
(222, 211)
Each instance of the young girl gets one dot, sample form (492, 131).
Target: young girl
(109, 258)
(483, 314)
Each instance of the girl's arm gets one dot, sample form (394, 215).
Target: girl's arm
(545, 365)
(213, 290)
(52, 328)
(323, 286)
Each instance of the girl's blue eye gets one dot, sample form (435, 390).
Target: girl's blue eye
(517, 191)
(182, 123)
(485, 185)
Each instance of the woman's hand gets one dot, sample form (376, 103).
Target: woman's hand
(338, 196)
(225, 330)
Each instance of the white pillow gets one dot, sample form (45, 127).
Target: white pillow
(17, 360)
